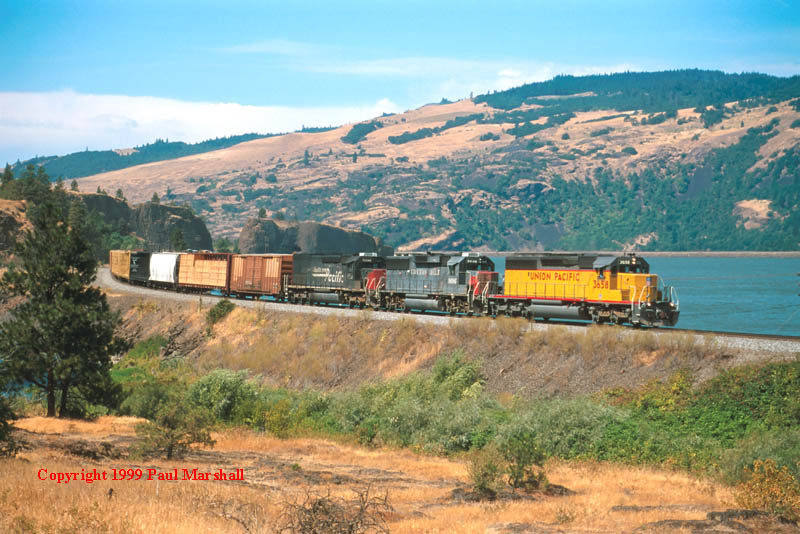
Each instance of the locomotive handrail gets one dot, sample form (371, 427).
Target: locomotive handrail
(673, 297)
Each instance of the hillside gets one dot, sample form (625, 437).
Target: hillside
(679, 160)
(90, 162)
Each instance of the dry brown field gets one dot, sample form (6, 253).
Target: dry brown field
(423, 491)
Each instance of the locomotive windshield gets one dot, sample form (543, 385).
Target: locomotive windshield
(479, 264)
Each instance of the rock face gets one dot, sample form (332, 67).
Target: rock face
(12, 222)
(114, 211)
(155, 223)
(272, 236)
(152, 222)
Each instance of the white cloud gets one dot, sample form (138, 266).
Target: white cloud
(65, 121)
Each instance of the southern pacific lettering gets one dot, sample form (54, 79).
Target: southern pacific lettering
(617, 289)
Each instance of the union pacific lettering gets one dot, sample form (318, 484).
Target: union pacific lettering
(554, 276)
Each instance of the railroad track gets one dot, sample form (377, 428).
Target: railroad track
(762, 342)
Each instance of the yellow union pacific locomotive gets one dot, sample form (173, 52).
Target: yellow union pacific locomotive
(616, 289)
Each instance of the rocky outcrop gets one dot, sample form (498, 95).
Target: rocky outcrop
(282, 237)
(114, 211)
(156, 222)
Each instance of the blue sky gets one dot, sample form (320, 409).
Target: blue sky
(113, 74)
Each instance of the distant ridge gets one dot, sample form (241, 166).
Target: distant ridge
(79, 164)
(672, 161)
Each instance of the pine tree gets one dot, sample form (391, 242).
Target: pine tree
(73, 186)
(8, 175)
(60, 338)
(262, 213)
(176, 240)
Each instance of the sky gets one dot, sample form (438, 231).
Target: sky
(104, 74)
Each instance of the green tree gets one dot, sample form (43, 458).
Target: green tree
(223, 244)
(60, 337)
(32, 185)
(176, 240)
(155, 199)
(119, 194)
(8, 446)
(73, 186)
(262, 213)
(8, 175)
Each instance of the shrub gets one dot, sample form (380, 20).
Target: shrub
(523, 458)
(601, 131)
(278, 419)
(485, 467)
(219, 311)
(222, 392)
(174, 428)
(360, 131)
(315, 514)
(569, 428)
(772, 489)
(147, 348)
(781, 446)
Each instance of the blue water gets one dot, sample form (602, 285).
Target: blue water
(749, 295)
(752, 295)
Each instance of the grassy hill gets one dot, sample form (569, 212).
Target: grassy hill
(91, 162)
(673, 160)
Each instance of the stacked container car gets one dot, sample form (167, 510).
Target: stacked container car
(120, 263)
(618, 289)
(204, 271)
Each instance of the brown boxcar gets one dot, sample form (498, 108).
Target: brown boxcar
(120, 263)
(204, 270)
(260, 274)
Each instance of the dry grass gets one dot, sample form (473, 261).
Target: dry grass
(281, 471)
(102, 426)
(336, 352)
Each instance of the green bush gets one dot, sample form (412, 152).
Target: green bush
(523, 458)
(174, 427)
(219, 311)
(573, 428)
(222, 392)
(781, 446)
(485, 468)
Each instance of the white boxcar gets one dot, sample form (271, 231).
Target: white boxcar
(164, 267)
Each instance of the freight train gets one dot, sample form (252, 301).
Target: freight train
(616, 289)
